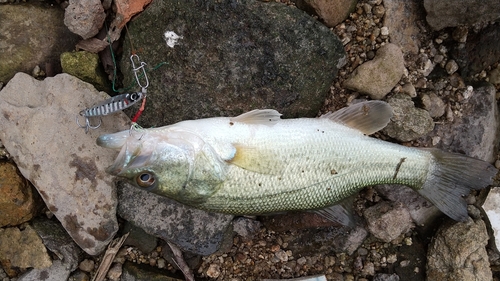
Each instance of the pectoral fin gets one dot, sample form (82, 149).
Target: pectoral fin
(256, 160)
(367, 117)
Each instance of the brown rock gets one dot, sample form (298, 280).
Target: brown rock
(331, 12)
(18, 202)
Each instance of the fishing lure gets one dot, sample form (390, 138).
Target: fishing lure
(109, 106)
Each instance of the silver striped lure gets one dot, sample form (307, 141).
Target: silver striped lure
(109, 106)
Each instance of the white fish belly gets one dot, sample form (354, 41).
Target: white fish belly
(310, 164)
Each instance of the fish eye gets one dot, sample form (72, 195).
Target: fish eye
(145, 179)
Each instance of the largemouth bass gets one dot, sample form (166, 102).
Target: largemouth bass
(257, 163)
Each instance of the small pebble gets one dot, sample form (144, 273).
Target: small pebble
(86, 265)
(115, 272)
(162, 263)
(213, 271)
(384, 31)
(281, 255)
(451, 66)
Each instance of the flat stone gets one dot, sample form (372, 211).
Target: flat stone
(232, 57)
(35, 40)
(37, 127)
(377, 77)
(193, 230)
(19, 202)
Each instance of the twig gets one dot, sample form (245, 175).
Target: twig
(108, 258)
(179, 259)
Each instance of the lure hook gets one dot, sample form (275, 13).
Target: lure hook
(87, 125)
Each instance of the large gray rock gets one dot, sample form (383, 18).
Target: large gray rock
(37, 127)
(479, 52)
(193, 230)
(458, 252)
(377, 77)
(32, 35)
(448, 13)
(475, 131)
(233, 56)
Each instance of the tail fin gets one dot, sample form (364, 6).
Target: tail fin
(452, 176)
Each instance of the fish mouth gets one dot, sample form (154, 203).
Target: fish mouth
(114, 141)
(130, 159)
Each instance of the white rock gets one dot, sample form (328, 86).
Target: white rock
(492, 208)
(37, 127)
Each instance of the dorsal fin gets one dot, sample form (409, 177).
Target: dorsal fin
(367, 117)
(258, 116)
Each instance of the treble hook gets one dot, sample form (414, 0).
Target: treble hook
(136, 69)
(87, 125)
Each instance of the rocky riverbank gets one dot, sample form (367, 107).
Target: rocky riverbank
(436, 66)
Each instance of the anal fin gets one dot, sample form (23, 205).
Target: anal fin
(340, 213)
